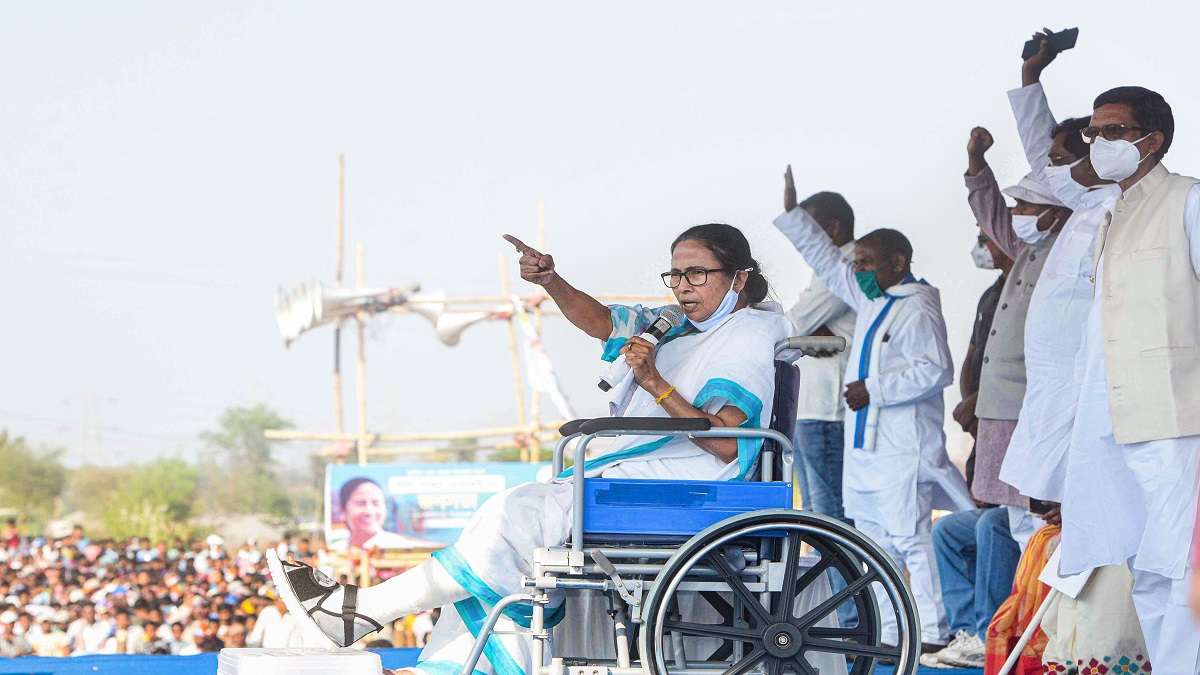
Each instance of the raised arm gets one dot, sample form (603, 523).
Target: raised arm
(826, 260)
(1035, 122)
(928, 369)
(814, 310)
(587, 313)
(985, 198)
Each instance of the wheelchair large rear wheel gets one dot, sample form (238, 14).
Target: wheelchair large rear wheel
(776, 628)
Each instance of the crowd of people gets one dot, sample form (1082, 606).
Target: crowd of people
(73, 595)
(1080, 389)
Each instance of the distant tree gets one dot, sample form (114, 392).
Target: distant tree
(239, 474)
(31, 480)
(519, 454)
(90, 488)
(458, 450)
(156, 500)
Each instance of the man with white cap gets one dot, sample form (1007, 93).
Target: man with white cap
(1026, 232)
(978, 550)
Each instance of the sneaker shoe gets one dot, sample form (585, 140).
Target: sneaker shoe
(968, 651)
(314, 597)
(932, 661)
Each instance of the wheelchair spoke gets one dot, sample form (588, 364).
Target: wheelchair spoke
(826, 632)
(787, 599)
(708, 630)
(850, 648)
(747, 662)
(812, 573)
(721, 565)
(723, 652)
(774, 666)
(817, 613)
(803, 666)
(718, 603)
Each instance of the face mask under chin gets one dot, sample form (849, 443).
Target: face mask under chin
(723, 310)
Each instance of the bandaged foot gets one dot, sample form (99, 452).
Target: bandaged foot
(345, 613)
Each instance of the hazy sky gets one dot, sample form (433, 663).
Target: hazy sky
(164, 166)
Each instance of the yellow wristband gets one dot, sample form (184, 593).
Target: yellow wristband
(665, 394)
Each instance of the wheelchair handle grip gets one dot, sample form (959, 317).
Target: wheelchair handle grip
(809, 345)
(644, 424)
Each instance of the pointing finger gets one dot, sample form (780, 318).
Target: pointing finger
(522, 246)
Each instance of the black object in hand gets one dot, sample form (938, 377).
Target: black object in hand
(1060, 41)
(1040, 508)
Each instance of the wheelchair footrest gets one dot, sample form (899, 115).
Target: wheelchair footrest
(664, 508)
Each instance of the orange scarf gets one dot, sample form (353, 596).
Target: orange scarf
(1017, 611)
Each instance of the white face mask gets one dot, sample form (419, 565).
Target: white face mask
(983, 257)
(1116, 160)
(723, 310)
(1026, 227)
(1062, 184)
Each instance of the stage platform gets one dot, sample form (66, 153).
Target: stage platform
(206, 664)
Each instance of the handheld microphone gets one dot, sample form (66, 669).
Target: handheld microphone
(670, 317)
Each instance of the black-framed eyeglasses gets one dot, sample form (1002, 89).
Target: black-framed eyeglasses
(696, 276)
(1110, 132)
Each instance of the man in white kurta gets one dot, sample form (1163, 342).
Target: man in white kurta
(1131, 478)
(1036, 461)
(896, 469)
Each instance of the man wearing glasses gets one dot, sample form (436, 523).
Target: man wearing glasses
(1132, 470)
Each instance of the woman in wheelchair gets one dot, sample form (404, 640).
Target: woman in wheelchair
(717, 364)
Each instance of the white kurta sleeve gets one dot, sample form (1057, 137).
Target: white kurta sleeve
(1035, 124)
(817, 307)
(927, 365)
(1191, 225)
(827, 261)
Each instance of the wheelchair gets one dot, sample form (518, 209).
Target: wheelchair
(651, 550)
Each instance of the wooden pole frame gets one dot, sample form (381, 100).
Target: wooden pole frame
(339, 420)
(514, 356)
(360, 376)
(535, 396)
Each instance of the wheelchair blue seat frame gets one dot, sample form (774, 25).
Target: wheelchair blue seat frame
(647, 510)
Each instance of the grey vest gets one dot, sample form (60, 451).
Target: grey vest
(1002, 384)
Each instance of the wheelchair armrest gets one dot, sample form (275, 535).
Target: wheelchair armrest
(573, 427)
(645, 424)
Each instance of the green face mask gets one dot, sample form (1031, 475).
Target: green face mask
(869, 284)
